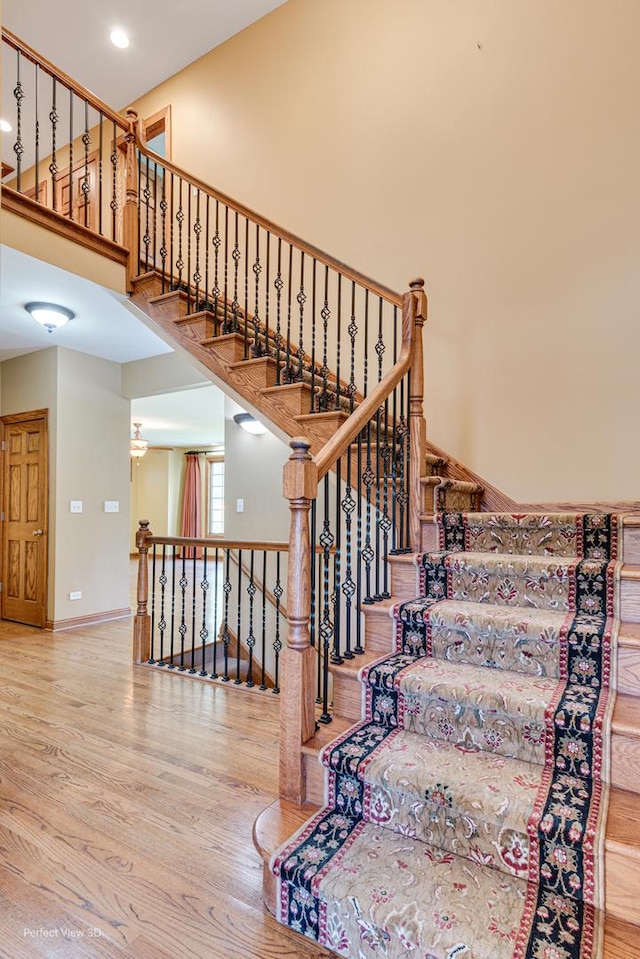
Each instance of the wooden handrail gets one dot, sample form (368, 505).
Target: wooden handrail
(392, 296)
(217, 543)
(59, 74)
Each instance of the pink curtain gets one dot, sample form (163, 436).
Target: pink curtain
(191, 509)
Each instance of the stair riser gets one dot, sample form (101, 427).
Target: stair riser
(625, 762)
(621, 895)
(629, 671)
(630, 600)
(632, 545)
(315, 774)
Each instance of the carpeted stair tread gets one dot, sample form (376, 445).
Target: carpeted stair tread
(540, 582)
(593, 535)
(504, 637)
(479, 809)
(371, 889)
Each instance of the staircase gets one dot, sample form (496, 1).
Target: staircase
(447, 689)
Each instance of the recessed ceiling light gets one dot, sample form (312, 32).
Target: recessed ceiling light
(5, 126)
(119, 38)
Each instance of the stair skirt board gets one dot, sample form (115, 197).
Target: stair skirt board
(464, 815)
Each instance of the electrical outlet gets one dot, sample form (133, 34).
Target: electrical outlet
(76, 595)
(75, 506)
(111, 506)
(239, 506)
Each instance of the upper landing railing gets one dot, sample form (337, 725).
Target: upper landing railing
(350, 346)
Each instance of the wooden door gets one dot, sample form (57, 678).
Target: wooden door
(24, 539)
(77, 195)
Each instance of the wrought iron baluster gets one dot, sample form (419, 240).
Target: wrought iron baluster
(267, 334)
(180, 220)
(251, 640)
(18, 148)
(325, 313)
(70, 211)
(338, 338)
(302, 299)
(288, 375)
(171, 232)
(326, 626)
(154, 214)
(197, 275)
(182, 628)
(204, 629)
(258, 349)
(263, 637)
(378, 492)
(367, 552)
(358, 648)
(235, 255)
(277, 642)
(216, 629)
(347, 505)
(238, 678)
(188, 264)
(162, 624)
(226, 586)
(245, 325)
(146, 196)
(37, 134)
(352, 330)
(114, 181)
(215, 290)
(206, 253)
(227, 328)
(153, 605)
(163, 219)
(192, 667)
(53, 165)
(278, 283)
(100, 148)
(336, 654)
(314, 577)
(86, 142)
(385, 519)
(172, 637)
(313, 335)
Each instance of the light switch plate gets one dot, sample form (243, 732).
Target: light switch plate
(111, 506)
(75, 506)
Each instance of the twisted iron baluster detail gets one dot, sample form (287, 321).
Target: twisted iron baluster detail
(162, 622)
(251, 639)
(163, 216)
(326, 541)
(204, 631)
(197, 230)
(226, 588)
(302, 299)
(151, 659)
(348, 505)
(18, 148)
(53, 165)
(278, 284)
(257, 350)
(277, 643)
(86, 142)
(146, 196)
(325, 313)
(216, 241)
(180, 219)
(236, 256)
(352, 330)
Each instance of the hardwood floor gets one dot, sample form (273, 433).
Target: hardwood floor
(127, 800)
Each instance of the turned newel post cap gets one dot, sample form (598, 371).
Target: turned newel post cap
(417, 284)
(300, 479)
(142, 532)
(132, 114)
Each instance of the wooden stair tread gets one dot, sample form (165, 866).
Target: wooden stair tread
(626, 715)
(325, 733)
(623, 823)
(629, 635)
(353, 666)
(277, 822)
(621, 939)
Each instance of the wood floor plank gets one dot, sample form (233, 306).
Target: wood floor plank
(127, 801)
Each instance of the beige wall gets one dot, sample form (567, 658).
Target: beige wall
(89, 461)
(253, 473)
(492, 147)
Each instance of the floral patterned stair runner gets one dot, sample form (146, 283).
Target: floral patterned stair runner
(465, 813)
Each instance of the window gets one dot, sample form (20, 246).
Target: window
(215, 496)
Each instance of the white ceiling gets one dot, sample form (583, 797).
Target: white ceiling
(165, 37)
(74, 36)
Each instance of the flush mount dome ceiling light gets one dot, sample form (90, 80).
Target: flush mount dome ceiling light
(119, 38)
(249, 423)
(49, 315)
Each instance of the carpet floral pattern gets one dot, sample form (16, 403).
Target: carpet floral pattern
(465, 813)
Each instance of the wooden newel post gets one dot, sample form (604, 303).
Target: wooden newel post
(416, 301)
(130, 213)
(297, 709)
(142, 621)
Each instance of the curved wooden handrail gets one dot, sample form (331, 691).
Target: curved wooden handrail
(59, 74)
(392, 296)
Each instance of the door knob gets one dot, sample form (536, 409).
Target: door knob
(38, 532)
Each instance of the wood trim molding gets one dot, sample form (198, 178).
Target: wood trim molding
(14, 202)
(93, 620)
(159, 122)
